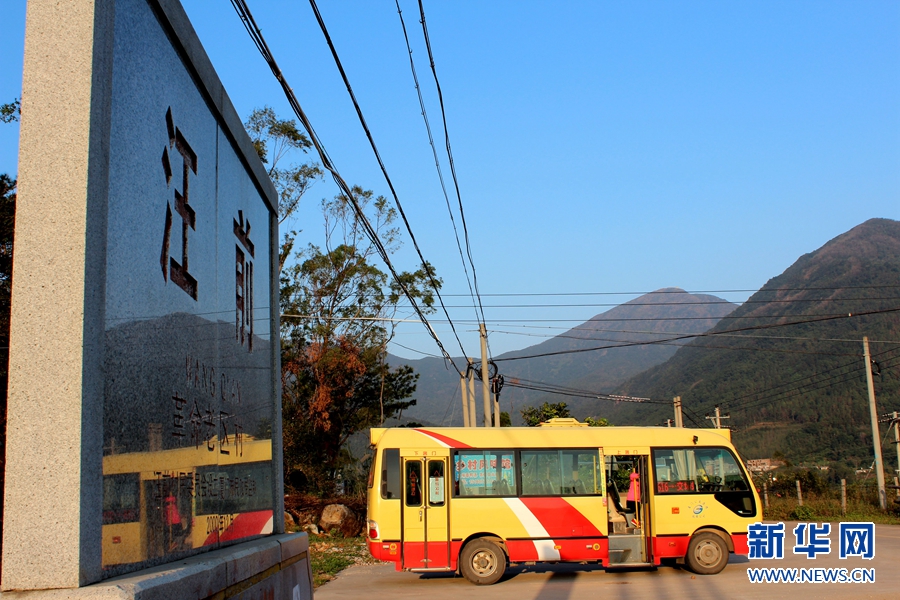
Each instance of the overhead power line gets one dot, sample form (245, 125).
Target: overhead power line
(687, 292)
(462, 213)
(362, 120)
(437, 164)
(708, 334)
(243, 11)
(537, 386)
(698, 303)
(762, 398)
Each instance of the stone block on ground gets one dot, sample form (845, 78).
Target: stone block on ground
(339, 517)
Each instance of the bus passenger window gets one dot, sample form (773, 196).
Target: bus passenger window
(435, 483)
(484, 473)
(413, 483)
(390, 473)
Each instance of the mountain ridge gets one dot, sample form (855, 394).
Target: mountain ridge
(807, 376)
(659, 313)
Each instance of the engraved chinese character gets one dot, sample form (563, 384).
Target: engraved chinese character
(171, 269)
(178, 416)
(239, 439)
(243, 282)
(196, 420)
(223, 439)
(209, 429)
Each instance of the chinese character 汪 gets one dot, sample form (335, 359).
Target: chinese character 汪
(857, 539)
(171, 269)
(810, 540)
(766, 540)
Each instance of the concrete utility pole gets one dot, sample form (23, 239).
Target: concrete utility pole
(485, 376)
(876, 437)
(678, 421)
(897, 441)
(718, 418)
(495, 392)
(473, 415)
(464, 388)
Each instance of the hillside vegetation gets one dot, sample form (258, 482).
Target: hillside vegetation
(788, 364)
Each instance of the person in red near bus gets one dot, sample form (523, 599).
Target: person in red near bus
(634, 496)
(173, 520)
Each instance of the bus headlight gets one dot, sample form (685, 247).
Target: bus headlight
(372, 526)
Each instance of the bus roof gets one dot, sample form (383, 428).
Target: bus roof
(550, 437)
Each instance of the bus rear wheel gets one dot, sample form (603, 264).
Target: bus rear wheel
(707, 554)
(482, 562)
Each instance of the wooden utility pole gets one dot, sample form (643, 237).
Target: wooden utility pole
(843, 497)
(485, 376)
(678, 421)
(876, 436)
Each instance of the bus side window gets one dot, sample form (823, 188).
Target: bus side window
(390, 473)
(414, 483)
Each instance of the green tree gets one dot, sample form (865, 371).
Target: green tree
(535, 415)
(338, 319)
(337, 308)
(276, 140)
(9, 113)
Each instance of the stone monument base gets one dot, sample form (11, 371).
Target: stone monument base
(271, 568)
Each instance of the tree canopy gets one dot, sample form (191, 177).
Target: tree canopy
(338, 309)
(535, 415)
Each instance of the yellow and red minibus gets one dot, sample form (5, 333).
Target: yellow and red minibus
(173, 501)
(475, 500)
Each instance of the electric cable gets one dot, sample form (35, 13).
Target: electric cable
(708, 334)
(425, 265)
(437, 162)
(246, 17)
(462, 213)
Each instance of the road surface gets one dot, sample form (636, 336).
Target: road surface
(563, 582)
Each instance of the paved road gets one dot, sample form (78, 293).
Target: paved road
(563, 582)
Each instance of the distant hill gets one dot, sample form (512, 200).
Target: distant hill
(652, 316)
(797, 389)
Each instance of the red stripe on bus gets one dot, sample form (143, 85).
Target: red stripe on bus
(741, 546)
(443, 438)
(560, 518)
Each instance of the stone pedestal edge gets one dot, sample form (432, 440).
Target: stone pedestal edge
(278, 563)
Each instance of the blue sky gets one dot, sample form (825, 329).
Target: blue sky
(601, 147)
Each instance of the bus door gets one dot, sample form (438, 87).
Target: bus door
(425, 539)
(628, 506)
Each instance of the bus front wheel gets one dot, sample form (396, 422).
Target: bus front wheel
(482, 562)
(707, 554)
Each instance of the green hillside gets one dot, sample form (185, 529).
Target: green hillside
(788, 364)
(563, 363)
